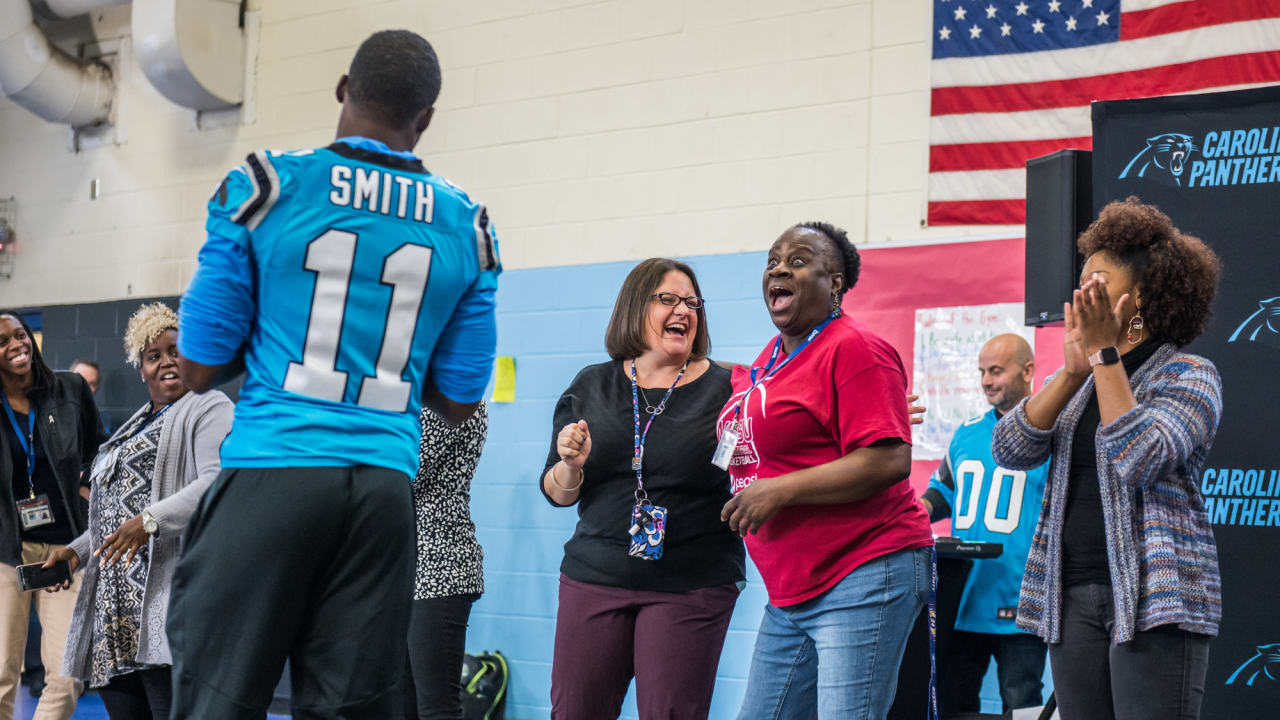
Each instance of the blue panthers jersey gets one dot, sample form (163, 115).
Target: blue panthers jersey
(347, 276)
(989, 503)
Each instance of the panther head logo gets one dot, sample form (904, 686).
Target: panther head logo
(1262, 326)
(1167, 152)
(1265, 662)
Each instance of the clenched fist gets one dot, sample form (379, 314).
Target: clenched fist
(574, 444)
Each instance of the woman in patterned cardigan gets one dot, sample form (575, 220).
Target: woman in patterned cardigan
(1122, 579)
(148, 479)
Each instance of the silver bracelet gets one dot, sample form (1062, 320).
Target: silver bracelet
(581, 475)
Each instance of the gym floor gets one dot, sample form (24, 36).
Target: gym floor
(89, 707)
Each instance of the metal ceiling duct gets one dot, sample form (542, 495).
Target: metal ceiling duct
(55, 9)
(46, 80)
(192, 51)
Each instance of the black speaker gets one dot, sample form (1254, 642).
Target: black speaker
(1059, 208)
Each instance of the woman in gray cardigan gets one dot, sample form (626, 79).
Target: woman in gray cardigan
(1122, 578)
(147, 480)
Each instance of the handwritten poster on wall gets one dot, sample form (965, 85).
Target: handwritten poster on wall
(945, 373)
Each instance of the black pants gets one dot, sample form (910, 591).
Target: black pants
(437, 642)
(139, 695)
(310, 564)
(1159, 675)
(1019, 666)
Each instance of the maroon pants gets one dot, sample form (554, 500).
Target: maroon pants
(670, 643)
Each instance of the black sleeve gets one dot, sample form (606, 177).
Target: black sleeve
(563, 415)
(91, 433)
(941, 508)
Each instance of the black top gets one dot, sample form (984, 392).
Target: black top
(700, 550)
(46, 483)
(69, 430)
(1084, 536)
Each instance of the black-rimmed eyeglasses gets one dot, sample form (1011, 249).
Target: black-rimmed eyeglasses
(672, 299)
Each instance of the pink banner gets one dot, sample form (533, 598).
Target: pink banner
(895, 282)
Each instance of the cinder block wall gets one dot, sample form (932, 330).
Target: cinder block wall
(596, 130)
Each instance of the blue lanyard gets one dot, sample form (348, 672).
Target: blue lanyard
(769, 370)
(933, 633)
(637, 460)
(26, 441)
(150, 419)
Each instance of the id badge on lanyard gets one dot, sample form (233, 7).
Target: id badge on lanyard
(648, 528)
(35, 510)
(728, 441)
(732, 431)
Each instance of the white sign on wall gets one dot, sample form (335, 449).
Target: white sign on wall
(946, 374)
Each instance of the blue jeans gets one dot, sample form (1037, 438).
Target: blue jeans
(836, 656)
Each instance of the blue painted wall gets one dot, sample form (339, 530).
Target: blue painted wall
(553, 320)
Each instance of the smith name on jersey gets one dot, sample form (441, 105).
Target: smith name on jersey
(347, 276)
(988, 503)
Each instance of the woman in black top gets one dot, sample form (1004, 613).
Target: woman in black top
(651, 574)
(51, 432)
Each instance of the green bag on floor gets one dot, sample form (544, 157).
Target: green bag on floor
(484, 686)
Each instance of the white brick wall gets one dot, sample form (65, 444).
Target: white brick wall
(595, 130)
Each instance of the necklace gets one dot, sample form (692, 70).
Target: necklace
(648, 406)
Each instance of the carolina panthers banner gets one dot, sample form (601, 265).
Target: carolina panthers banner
(1212, 162)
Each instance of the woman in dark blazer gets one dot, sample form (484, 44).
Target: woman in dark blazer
(51, 431)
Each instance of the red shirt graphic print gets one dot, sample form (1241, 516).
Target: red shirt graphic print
(846, 390)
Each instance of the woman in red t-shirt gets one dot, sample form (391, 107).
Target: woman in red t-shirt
(819, 469)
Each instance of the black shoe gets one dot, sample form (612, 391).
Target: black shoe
(34, 681)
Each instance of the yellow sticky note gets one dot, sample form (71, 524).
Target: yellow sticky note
(504, 380)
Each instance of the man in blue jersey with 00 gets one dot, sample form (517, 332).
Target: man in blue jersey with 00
(988, 503)
(353, 286)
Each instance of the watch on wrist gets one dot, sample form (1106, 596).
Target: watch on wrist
(1105, 356)
(149, 524)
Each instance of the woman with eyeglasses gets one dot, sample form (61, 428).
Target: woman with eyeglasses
(631, 445)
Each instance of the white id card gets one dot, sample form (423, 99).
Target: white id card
(724, 451)
(35, 512)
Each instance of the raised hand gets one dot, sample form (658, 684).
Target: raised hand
(1076, 362)
(574, 444)
(1098, 319)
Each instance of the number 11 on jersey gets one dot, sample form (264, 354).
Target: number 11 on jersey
(331, 257)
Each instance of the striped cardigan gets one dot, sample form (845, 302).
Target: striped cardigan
(1163, 560)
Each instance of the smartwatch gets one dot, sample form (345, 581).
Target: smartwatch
(1105, 356)
(149, 524)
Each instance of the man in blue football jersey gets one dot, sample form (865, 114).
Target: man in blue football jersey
(988, 503)
(352, 286)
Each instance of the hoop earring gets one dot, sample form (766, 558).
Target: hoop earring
(1134, 335)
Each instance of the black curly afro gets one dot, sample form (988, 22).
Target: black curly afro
(1176, 273)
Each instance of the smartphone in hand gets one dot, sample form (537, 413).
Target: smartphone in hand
(34, 576)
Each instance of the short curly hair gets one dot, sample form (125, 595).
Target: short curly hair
(145, 325)
(1177, 273)
(846, 253)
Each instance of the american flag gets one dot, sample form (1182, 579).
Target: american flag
(1013, 79)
